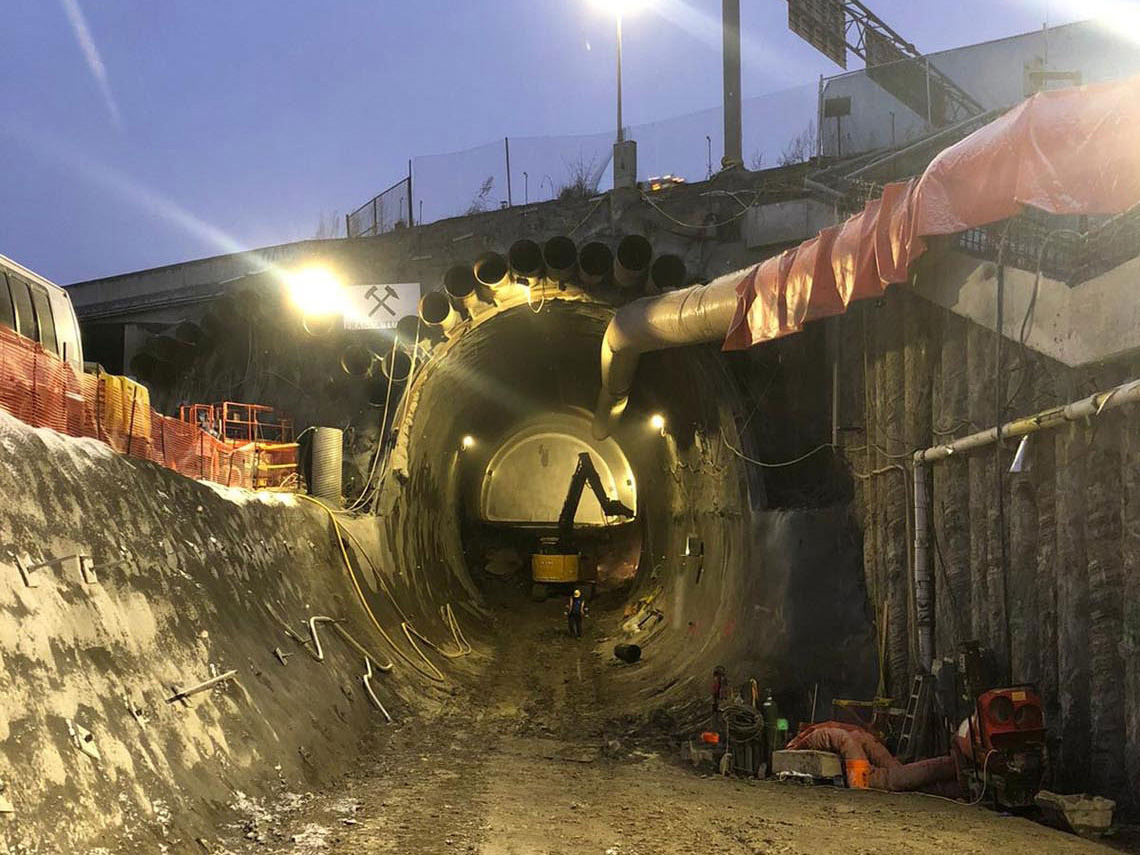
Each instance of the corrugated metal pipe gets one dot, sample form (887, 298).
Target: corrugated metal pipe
(328, 447)
(693, 315)
(1093, 405)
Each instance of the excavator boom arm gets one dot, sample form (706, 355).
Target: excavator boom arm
(585, 473)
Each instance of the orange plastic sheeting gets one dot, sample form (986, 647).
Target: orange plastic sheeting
(44, 391)
(1072, 151)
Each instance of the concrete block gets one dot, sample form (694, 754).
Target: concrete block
(1088, 816)
(818, 764)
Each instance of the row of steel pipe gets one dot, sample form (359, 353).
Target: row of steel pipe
(469, 290)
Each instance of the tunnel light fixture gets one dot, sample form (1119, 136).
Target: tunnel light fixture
(467, 442)
(657, 422)
(1018, 464)
(315, 291)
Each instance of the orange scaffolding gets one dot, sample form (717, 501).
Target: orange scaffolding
(253, 429)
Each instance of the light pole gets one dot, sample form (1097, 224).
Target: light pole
(620, 126)
(625, 151)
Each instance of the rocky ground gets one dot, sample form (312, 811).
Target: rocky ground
(528, 764)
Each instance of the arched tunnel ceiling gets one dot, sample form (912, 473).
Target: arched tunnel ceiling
(507, 370)
(526, 479)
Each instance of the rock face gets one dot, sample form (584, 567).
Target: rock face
(190, 582)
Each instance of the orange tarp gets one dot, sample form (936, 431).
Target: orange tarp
(1073, 151)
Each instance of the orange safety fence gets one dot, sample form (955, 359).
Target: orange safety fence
(44, 391)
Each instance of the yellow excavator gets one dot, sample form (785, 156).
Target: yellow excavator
(558, 563)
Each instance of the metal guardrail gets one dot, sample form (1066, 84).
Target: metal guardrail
(1066, 249)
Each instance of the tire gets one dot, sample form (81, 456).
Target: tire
(538, 592)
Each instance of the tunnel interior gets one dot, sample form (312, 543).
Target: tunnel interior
(705, 573)
(508, 405)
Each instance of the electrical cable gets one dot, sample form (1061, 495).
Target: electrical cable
(365, 493)
(542, 303)
(985, 779)
(464, 647)
(974, 803)
(1031, 309)
(959, 623)
(761, 463)
(589, 214)
(1000, 407)
(683, 224)
(434, 674)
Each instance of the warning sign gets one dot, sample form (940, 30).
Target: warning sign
(379, 307)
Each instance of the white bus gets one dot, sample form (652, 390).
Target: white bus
(40, 310)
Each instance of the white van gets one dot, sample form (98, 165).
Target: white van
(39, 310)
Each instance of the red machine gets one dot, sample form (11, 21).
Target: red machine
(1000, 748)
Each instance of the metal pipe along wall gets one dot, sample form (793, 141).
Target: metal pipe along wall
(1093, 405)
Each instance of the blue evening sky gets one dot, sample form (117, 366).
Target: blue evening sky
(136, 133)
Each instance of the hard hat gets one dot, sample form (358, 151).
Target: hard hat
(577, 593)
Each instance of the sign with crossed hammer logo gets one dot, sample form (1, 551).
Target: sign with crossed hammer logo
(379, 307)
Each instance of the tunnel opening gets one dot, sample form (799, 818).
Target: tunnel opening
(706, 573)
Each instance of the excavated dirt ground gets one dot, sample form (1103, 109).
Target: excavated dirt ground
(528, 763)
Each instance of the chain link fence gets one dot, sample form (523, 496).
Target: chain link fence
(779, 128)
(384, 212)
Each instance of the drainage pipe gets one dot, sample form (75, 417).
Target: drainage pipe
(526, 262)
(667, 273)
(631, 263)
(1093, 405)
(595, 262)
(436, 311)
(560, 255)
(397, 366)
(491, 271)
(700, 313)
(463, 288)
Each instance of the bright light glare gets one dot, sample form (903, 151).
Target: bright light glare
(657, 421)
(468, 441)
(316, 291)
(1121, 17)
(621, 8)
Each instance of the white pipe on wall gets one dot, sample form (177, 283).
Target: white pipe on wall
(1093, 405)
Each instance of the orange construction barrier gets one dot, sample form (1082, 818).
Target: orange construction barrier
(44, 391)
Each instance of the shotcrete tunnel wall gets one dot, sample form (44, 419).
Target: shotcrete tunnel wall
(752, 599)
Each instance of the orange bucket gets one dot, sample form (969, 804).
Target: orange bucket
(858, 773)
